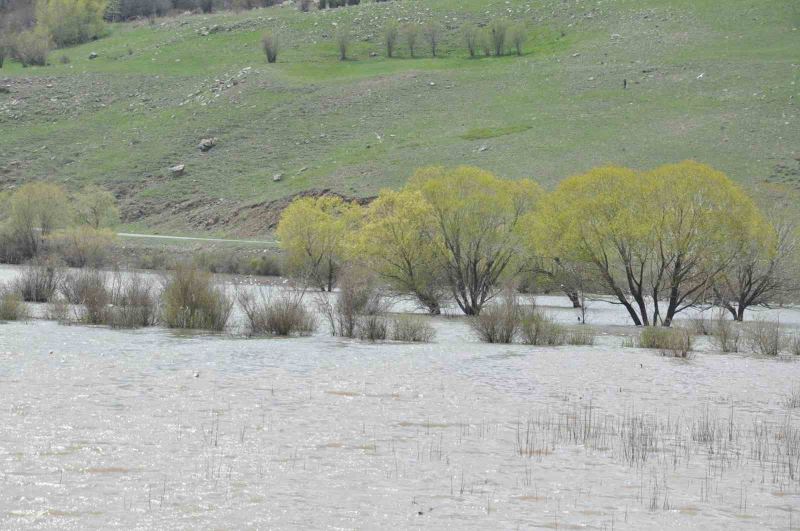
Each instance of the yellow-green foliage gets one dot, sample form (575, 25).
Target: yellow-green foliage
(476, 216)
(83, 245)
(400, 242)
(36, 210)
(70, 22)
(313, 233)
(191, 300)
(96, 207)
(663, 234)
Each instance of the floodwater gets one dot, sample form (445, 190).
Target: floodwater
(152, 429)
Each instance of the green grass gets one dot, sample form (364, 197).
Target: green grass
(357, 126)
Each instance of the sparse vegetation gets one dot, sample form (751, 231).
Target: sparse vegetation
(498, 322)
(539, 329)
(283, 314)
(269, 43)
(673, 342)
(12, 307)
(764, 337)
(726, 336)
(39, 280)
(411, 329)
(390, 36)
(192, 301)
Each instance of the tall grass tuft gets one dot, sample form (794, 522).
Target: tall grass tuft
(281, 315)
(674, 342)
(412, 329)
(192, 301)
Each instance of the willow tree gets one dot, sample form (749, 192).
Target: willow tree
(475, 215)
(313, 232)
(767, 270)
(657, 240)
(399, 241)
(36, 210)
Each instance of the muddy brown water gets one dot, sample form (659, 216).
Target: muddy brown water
(152, 429)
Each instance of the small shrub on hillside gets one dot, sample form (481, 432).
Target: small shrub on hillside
(499, 322)
(539, 329)
(269, 43)
(674, 342)
(471, 39)
(12, 307)
(206, 6)
(764, 337)
(192, 301)
(343, 39)
(39, 280)
(31, 47)
(304, 5)
(410, 35)
(64, 60)
(498, 33)
(280, 315)
(390, 39)
(433, 34)
(518, 36)
(412, 329)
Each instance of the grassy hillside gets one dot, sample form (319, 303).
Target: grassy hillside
(718, 82)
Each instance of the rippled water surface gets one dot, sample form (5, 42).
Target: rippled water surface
(150, 429)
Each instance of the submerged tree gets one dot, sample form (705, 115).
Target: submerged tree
(399, 241)
(476, 216)
(312, 232)
(659, 236)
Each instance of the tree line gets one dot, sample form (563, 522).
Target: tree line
(656, 242)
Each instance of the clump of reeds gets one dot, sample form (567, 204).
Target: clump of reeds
(674, 342)
(412, 329)
(726, 336)
(12, 307)
(764, 337)
(283, 314)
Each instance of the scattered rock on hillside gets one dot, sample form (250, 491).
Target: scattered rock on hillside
(177, 170)
(206, 144)
(277, 177)
(93, 55)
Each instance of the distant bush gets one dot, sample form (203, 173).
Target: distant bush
(471, 39)
(675, 342)
(192, 301)
(31, 47)
(93, 297)
(412, 329)
(433, 33)
(518, 36)
(281, 315)
(270, 46)
(764, 337)
(499, 322)
(206, 6)
(12, 307)
(71, 22)
(79, 285)
(36, 210)
(3, 51)
(410, 35)
(303, 5)
(537, 328)
(39, 281)
(498, 32)
(343, 39)
(390, 39)
(82, 246)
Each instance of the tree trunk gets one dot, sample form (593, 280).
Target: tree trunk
(574, 298)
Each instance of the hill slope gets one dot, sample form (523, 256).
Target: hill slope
(716, 83)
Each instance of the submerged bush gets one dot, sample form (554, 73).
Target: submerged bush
(412, 329)
(12, 307)
(499, 322)
(372, 327)
(726, 336)
(764, 337)
(281, 315)
(192, 301)
(675, 342)
(584, 336)
(357, 299)
(39, 280)
(135, 304)
(539, 329)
